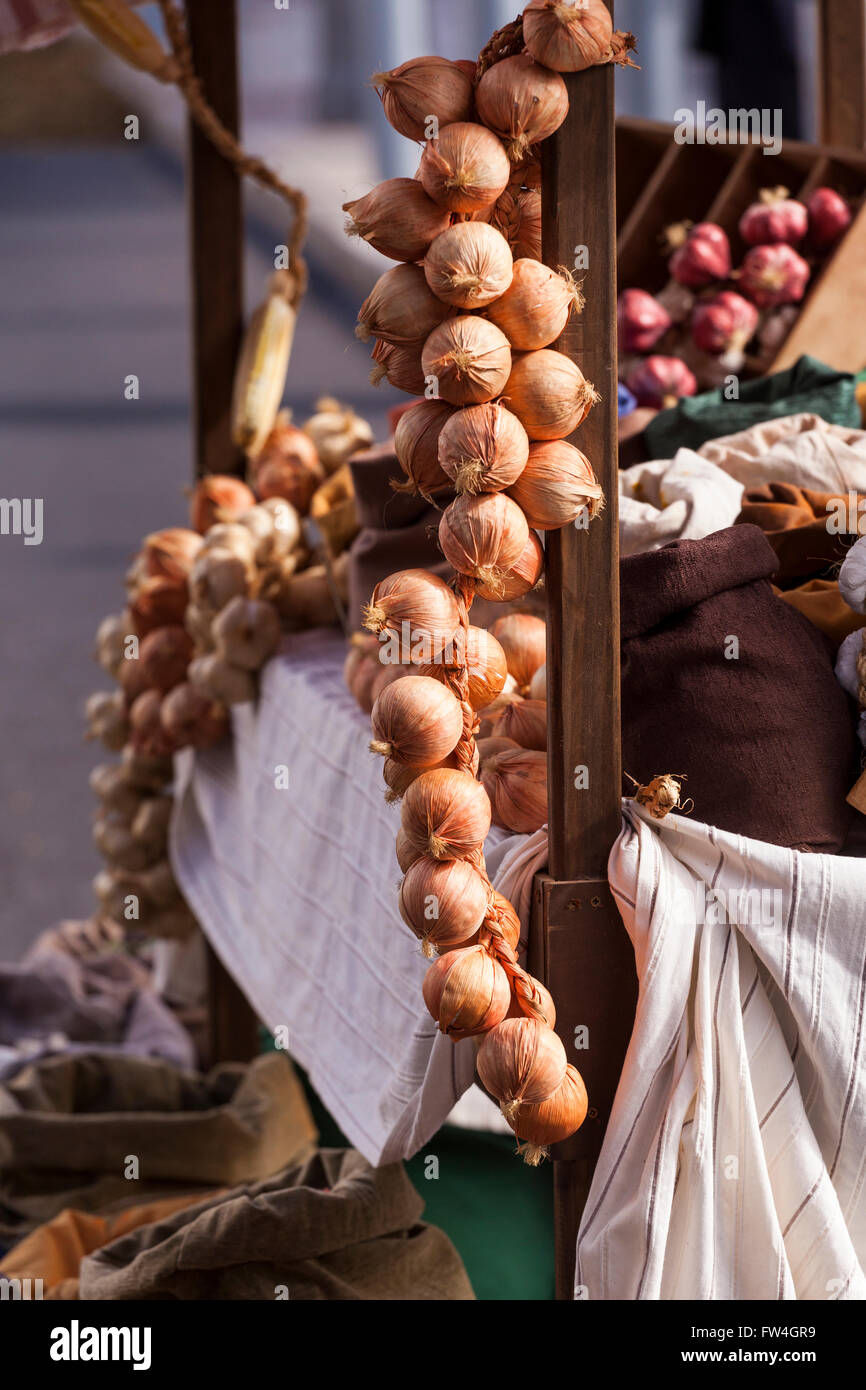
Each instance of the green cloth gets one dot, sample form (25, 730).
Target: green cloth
(807, 386)
(495, 1210)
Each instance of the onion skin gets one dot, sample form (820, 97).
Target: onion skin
(424, 603)
(487, 668)
(455, 890)
(550, 1121)
(425, 87)
(400, 365)
(397, 218)
(724, 323)
(774, 218)
(400, 308)
(556, 486)
(521, 1059)
(520, 579)
(516, 782)
(483, 448)
(661, 381)
(526, 722)
(537, 305)
(465, 169)
(524, 641)
(522, 101)
(549, 394)
(469, 265)
(567, 43)
(446, 814)
(467, 992)
(483, 536)
(218, 497)
(470, 359)
(417, 721)
(416, 444)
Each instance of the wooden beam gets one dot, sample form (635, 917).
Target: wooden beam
(842, 64)
(586, 957)
(216, 270)
(216, 242)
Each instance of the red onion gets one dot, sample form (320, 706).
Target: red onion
(773, 275)
(704, 256)
(724, 323)
(774, 218)
(641, 321)
(661, 381)
(829, 217)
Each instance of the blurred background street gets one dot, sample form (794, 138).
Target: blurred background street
(94, 254)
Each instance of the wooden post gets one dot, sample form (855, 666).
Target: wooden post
(216, 269)
(578, 940)
(842, 56)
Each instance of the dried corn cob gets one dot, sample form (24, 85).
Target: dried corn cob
(121, 30)
(260, 376)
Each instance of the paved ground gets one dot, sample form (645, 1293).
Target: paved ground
(93, 246)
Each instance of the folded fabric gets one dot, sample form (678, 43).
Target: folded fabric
(332, 1228)
(807, 386)
(70, 1128)
(53, 1252)
(799, 449)
(819, 600)
(55, 1002)
(801, 526)
(683, 498)
(724, 683)
(732, 1166)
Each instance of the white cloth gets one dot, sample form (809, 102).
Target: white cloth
(695, 493)
(297, 891)
(734, 1164)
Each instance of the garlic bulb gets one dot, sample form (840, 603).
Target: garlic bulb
(163, 657)
(246, 633)
(106, 719)
(110, 643)
(230, 535)
(145, 773)
(112, 788)
(852, 576)
(219, 576)
(151, 821)
(117, 845)
(337, 431)
(213, 676)
(192, 719)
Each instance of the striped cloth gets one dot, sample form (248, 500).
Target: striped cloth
(734, 1165)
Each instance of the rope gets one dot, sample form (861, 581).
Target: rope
(505, 43)
(229, 147)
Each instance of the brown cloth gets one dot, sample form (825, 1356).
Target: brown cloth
(398, 529)
(794, 520)
(69, 1124)
(766, 739)
(821, 602)
(331, 1228)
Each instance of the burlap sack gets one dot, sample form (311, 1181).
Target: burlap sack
(331, 1228)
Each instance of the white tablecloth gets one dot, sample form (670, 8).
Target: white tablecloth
(297, 891)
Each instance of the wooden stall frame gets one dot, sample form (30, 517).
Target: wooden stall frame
(578, 943)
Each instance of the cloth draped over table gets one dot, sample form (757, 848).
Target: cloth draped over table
(734, 1163)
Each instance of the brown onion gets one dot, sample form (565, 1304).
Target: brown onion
(522, 101)
(397, 218)
(469, 358)
(490, 745)
(467, 992)
(524, 641)
(406, 853)
(193, 720)
(549, 394)
(164, 656)
(465, 169)
(556, 486)
(568, 35)
(516, 782)
(535, 308)
(416, 444)
(425, 87)
(446, 814)
(386, 675)
(521, 1059)
(156, 603)
(526, 722)
(400, 365)
(469, 265)
(170, 554)
(416, 720)
(147, 733)
(483, 536)
(419, 609)
(215, 677)
(444, 903)
(218, 497)
(520, 578)
(288, 465)
(483, 448)
(400, 308)
(399, 776)
(549, 1121)
(486, 667)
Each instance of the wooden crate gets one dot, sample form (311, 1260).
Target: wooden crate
(660, 182)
